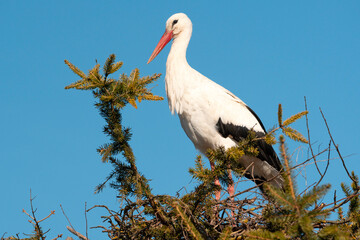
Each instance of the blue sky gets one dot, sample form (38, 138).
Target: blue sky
(264, 52)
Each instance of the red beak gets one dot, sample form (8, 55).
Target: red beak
(162, 43)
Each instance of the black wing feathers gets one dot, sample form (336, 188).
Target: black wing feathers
(230, 130)
(266, 151)
(257, 118)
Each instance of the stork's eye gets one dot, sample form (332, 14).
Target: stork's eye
(174, 22)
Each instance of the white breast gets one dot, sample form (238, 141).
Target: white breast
(198, 105)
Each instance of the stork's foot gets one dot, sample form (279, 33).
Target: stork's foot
(217, 193)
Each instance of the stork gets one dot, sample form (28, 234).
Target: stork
(210, 115)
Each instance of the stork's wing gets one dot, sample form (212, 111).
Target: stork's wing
(238, 133)
(236, 120)
(233, 118)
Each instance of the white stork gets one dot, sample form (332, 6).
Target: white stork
(210, 115)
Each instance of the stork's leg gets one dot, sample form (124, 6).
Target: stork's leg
(217, 182)
(231, 193)
(231, 185)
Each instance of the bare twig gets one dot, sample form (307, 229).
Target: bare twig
(29, 216)
(102, 227)
(86, 222)
(40, 234)
(101, 206)
(36, 223)
(309, 140)
(342, 201)
(327, 166)
(58, 236)
(71, 228)
(66, 216)
(51, 213)
(307, 160)
(337, 148)
(79, 235)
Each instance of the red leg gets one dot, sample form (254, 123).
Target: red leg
(217, 183)
(231, 185)
(231, 192)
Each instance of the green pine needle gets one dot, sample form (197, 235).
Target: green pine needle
(294, 135)
(280, 113)
(75, 69)
(108, 65)
(294, 118)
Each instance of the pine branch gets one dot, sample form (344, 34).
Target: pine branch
(226, 234)
(280, 113)
(294, 135)
(76, 70)
(189, 225)
(294, 118)
(284, 214)
(289, 182)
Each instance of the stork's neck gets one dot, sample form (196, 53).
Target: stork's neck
(177, 55)
(178, 71)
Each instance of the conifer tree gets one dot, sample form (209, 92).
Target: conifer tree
(282, 214)
(279, 214)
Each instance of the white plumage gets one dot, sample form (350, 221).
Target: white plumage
(211, 115)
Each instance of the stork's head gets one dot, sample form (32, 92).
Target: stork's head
(177, 25)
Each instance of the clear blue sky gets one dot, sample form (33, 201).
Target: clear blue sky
(265, 52)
